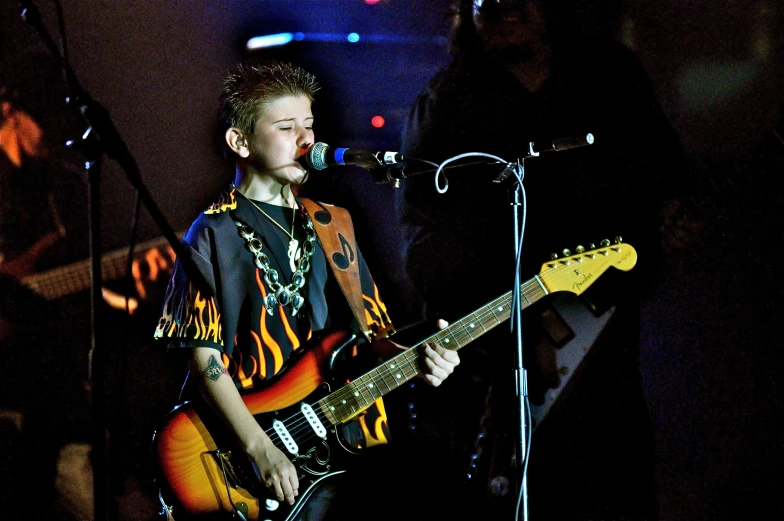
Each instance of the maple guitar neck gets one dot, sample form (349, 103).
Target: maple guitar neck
(76, 277)
(573, 274)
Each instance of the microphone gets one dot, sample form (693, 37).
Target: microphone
(556, 145)
(320, 155)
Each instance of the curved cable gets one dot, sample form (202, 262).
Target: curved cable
(455, 158)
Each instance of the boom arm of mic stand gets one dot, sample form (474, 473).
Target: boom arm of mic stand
(395, 174)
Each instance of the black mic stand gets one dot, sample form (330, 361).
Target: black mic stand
(521, 378)
(395, 174)
(101, 138)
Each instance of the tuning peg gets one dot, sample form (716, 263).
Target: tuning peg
(566, 252)
(605, 242)
(592, 245)
(553, 256)
(618, 239)
(579, 249)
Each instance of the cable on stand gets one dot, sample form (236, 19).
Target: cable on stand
(395, 174)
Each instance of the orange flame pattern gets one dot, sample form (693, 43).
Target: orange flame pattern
(201, 321)
(377, 435)
(226, 201)
(376, 315)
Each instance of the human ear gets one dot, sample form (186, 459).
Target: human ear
(237, 142)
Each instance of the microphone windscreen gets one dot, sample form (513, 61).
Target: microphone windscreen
(316, 156)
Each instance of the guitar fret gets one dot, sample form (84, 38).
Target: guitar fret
(323, 404)
(340, 405)
(357, 392)
(466, 331)
(76, 277)
(489, 319)
(370, 387)
(477, 320)
(388, 377)
(379, 379)
(490, 308)
(447, 340)
(411, 358)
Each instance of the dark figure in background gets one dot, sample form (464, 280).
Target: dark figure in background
(514, 78)
(45, 326)
(42, 225)
(273, 286)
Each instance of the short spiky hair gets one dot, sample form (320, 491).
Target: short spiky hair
(249, 87)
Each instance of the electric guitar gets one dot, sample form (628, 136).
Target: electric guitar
(204, 472)
(75, 277)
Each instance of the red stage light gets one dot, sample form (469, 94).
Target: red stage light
(377, 121)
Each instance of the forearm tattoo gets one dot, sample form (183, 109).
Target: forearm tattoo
(214, 370)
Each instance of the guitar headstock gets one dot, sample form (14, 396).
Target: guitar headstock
(575, 273)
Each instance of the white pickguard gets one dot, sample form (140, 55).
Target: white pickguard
(569, 357)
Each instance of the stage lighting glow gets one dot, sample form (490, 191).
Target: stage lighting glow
(378, 121)
(275, 40)
(270, 40)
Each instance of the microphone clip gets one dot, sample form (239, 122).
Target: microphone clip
(510, 169)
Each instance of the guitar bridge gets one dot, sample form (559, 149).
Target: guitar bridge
(230, 474)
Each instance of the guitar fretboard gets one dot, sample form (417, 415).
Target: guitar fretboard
(360, 393)
(76, 277)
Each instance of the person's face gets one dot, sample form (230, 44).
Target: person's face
(283, 132)
(514, 32)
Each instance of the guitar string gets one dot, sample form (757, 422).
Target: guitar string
(384, 373)
(344, 393)
(531, 287)
(62, 278)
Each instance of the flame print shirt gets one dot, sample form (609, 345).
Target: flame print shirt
(255, 345)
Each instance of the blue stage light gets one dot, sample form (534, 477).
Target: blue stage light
(270, 40)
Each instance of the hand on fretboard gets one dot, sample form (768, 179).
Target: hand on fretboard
(151, 272)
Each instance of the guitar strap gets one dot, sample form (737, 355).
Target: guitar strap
(335, 231)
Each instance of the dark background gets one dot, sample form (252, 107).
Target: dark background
(717, 67)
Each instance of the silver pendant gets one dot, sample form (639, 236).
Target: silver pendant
(293, 254)
(269, 303)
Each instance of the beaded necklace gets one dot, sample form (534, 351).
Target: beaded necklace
(279, 294)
